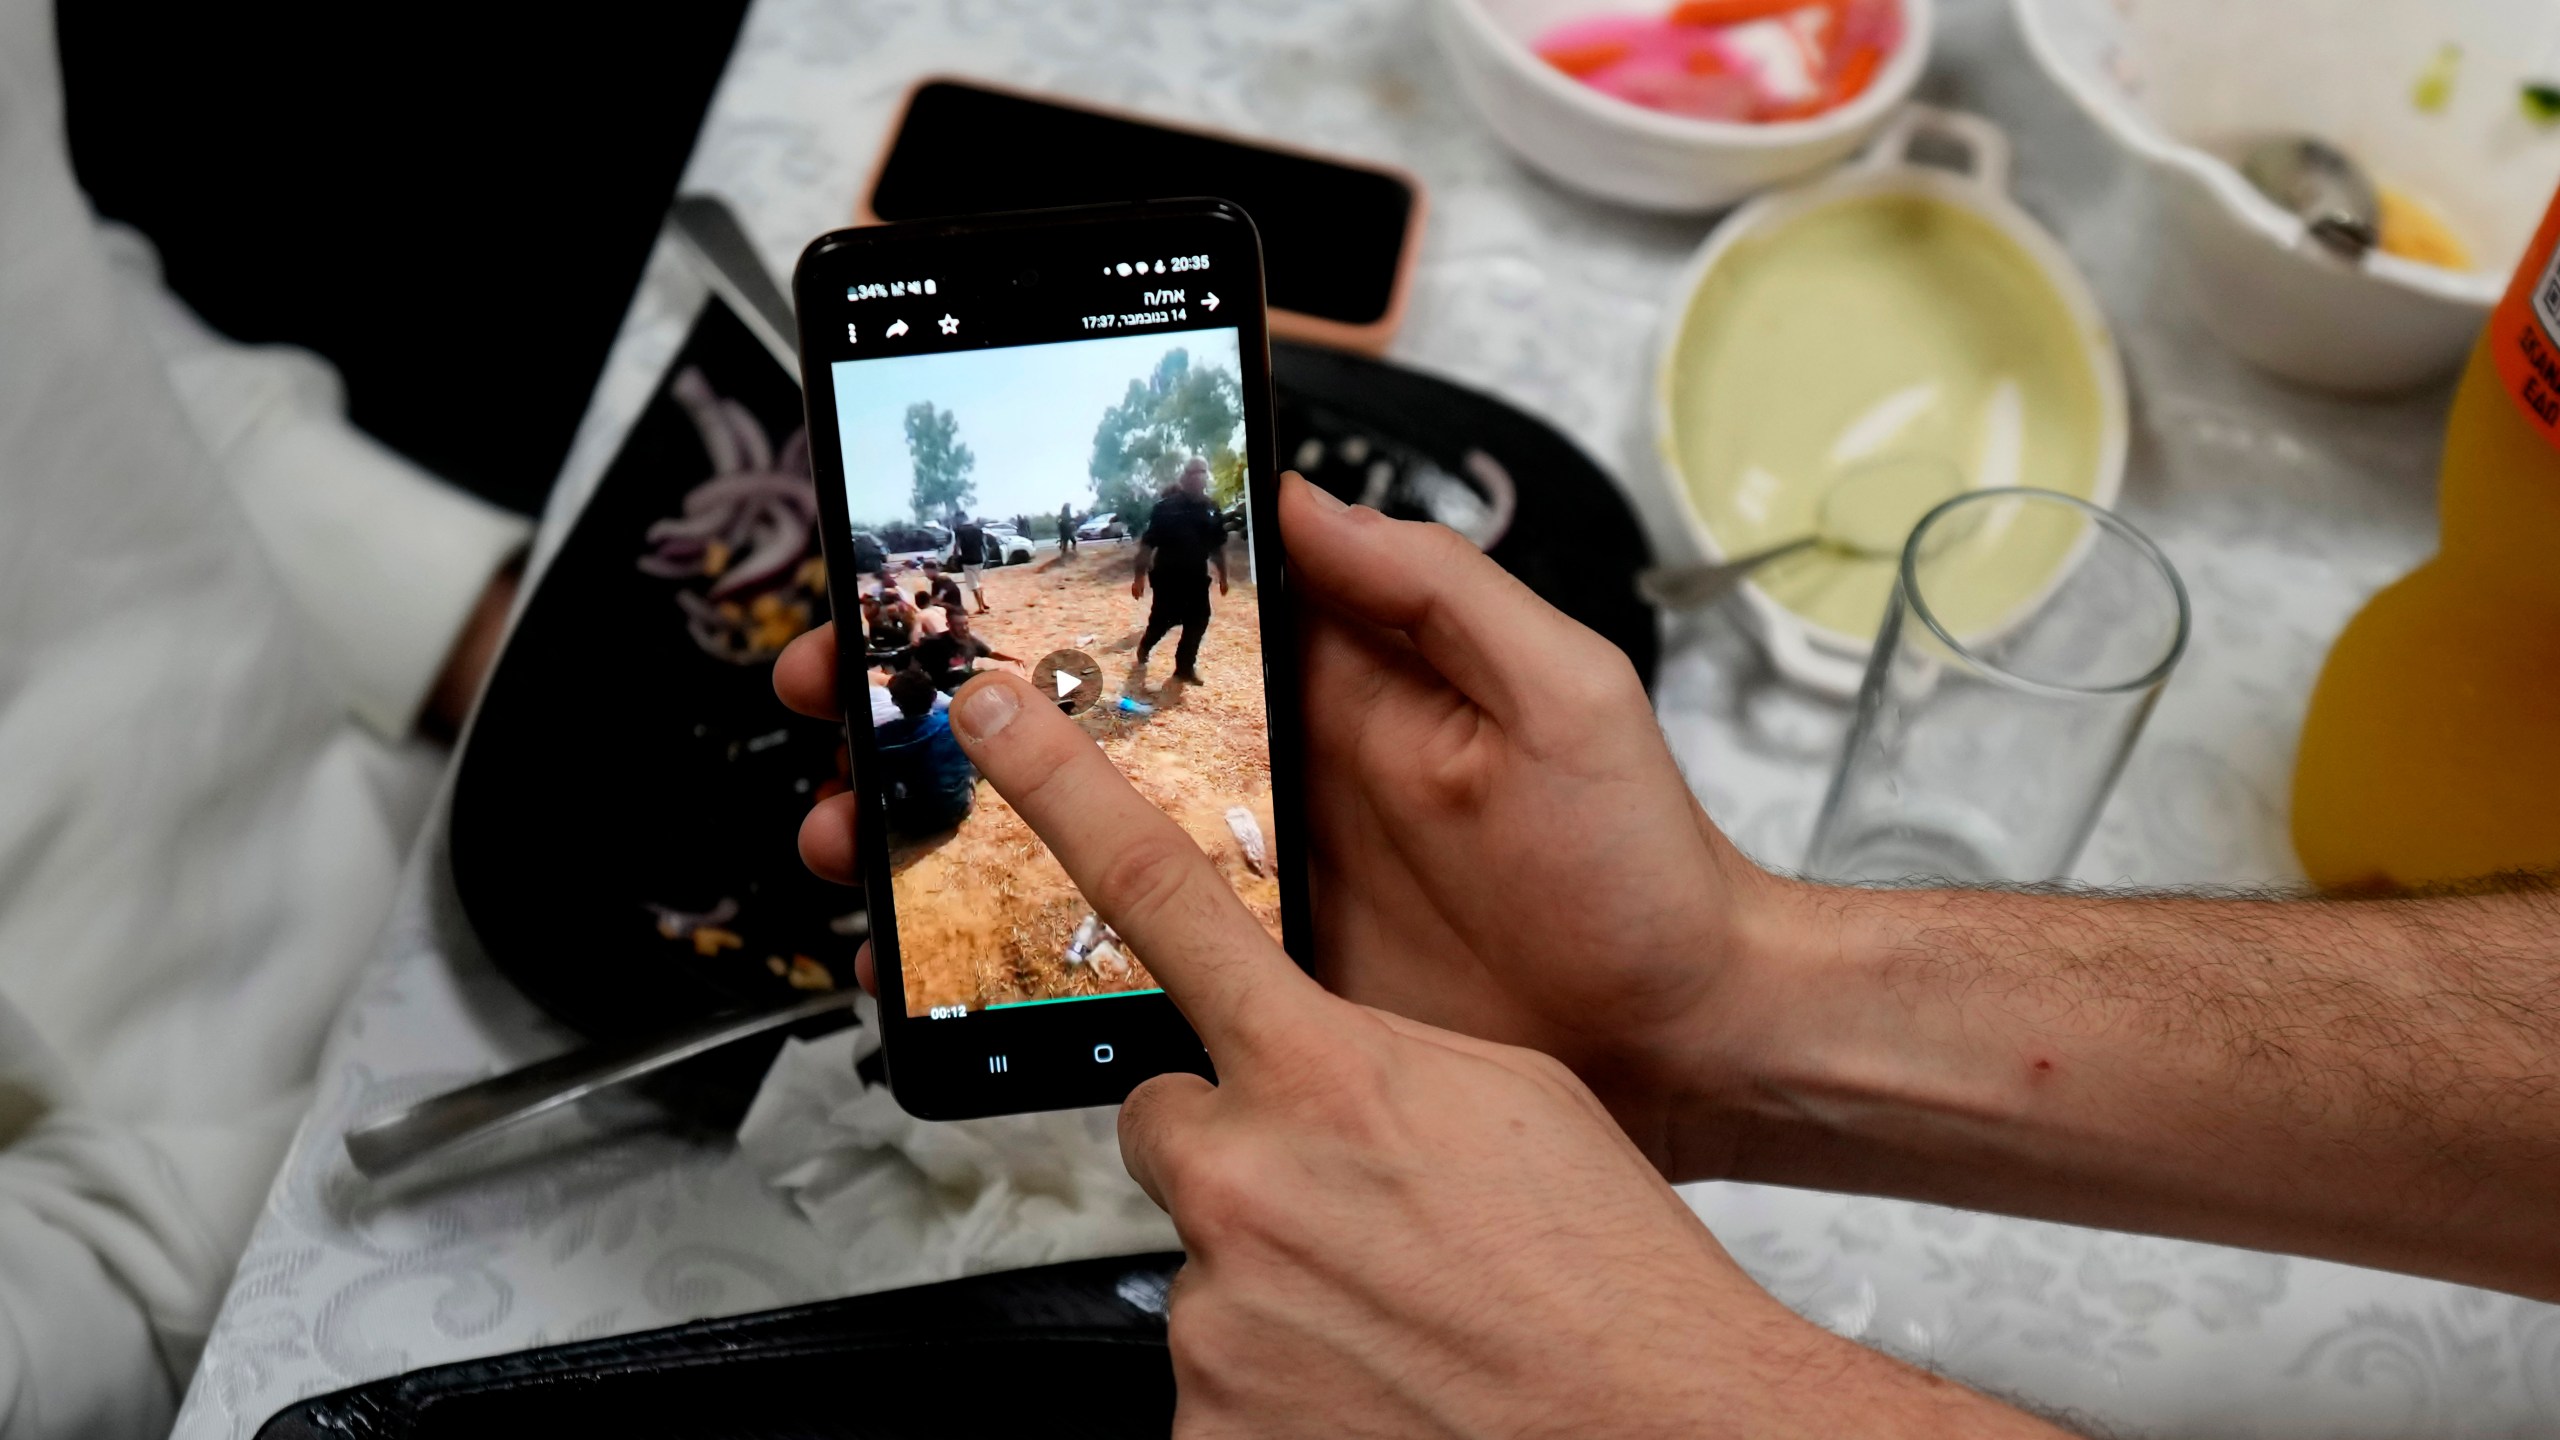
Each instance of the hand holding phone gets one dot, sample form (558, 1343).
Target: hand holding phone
(974, 386)
(1349, 1162)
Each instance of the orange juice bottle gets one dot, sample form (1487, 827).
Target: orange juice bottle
(2432, 750)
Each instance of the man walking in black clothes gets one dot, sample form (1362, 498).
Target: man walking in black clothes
(1183, 541)
(969, 546)
(1066, 531)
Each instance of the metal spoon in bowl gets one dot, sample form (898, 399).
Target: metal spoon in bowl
(2324, 185)
(1866, 514)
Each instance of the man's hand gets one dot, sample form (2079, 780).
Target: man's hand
(1397, 1230)
(1503, 845)
(474, 653)
(1138, 586)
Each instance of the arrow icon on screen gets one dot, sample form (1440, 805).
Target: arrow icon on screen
(896, 329)
(1067, 681)
(1209, 302)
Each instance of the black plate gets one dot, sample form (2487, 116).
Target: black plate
(618, 764)
(1425, 449)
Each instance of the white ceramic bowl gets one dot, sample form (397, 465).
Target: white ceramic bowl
(2185, 83)
(1623, 152)
(1826, 659)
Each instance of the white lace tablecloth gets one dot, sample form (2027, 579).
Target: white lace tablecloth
(2282, 509)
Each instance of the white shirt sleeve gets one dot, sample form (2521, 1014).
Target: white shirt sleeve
(385, 561)
(107, 1273)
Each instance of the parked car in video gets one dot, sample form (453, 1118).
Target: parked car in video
(1008, 546)
(1105, 526)
(1005, 546)
(925, 539)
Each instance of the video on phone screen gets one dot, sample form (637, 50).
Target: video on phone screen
(1002, 502)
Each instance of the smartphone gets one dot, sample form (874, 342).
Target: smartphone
(1339, 235)
(1061, 388)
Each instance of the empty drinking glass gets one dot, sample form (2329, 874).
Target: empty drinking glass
(2028, 636)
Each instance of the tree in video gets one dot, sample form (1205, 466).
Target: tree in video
(942, 463)
(1116, 452)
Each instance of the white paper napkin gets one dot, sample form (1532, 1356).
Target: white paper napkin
(911, 1201)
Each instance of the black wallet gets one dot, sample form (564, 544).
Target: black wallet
(1063, 1352)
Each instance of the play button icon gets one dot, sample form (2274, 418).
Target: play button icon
(1072, 676)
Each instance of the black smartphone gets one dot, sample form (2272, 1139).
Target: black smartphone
(1003, 412)
(1339, 234)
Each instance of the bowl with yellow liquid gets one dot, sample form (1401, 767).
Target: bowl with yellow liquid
(2451, 107)
(1893, 318)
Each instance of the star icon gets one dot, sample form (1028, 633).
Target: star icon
(950, 326)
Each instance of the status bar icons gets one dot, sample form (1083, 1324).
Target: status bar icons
(890, 289)
(1127, 268)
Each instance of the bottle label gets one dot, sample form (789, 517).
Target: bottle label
(2524, 331)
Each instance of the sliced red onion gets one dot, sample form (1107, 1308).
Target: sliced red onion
(781, 538)
(710, 421)
(752, 441)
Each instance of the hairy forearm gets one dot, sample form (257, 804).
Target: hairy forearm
(2375, 1081)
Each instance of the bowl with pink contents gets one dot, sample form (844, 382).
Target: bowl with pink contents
(1689, 105)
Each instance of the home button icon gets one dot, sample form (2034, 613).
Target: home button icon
(1102, 1054)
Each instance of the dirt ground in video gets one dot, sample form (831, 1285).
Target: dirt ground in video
(985, 913)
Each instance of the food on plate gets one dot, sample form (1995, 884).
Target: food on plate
(749, 532)
(1734, 60)
(704, 929)
(802, 972)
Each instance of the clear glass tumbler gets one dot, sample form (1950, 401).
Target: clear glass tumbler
(2028, 637)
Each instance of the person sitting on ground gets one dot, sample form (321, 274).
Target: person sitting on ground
(1398, 1228)
(888, 625)
(926, 781)
(932, 616)
(884, 705)
(952, 657)
(946, 591)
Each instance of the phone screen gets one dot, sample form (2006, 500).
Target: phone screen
(1023, 426)
(1333, 234)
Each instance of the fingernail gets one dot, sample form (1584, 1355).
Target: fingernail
(987, 711)
(1326, 500)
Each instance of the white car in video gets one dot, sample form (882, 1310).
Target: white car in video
(1105, 526)
(1005, 545)
(1008, 546)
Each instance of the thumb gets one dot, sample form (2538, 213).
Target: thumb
(1161, 1119)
